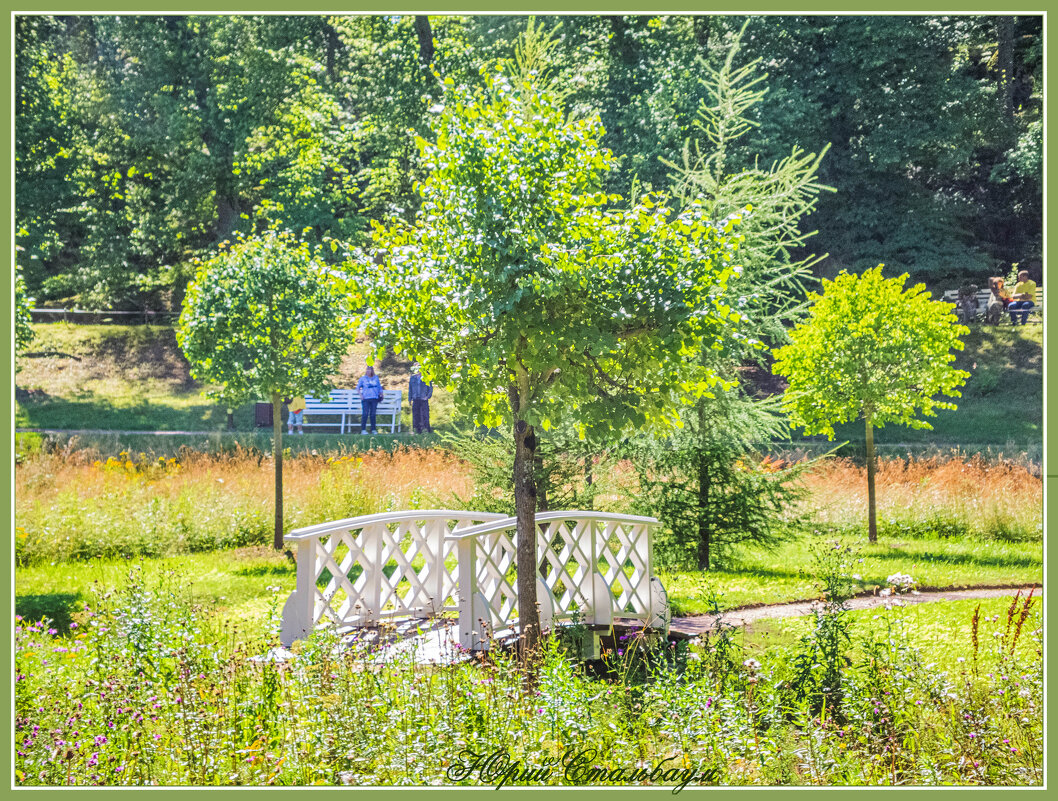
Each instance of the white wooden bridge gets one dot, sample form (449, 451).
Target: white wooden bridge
(399, 567)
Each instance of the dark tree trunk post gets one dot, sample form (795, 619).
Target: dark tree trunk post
(525, 509)
(425, 34)
(541, 484)
(333, 44)
(704, 534)
(277, 457)
(872, 521)
(1005, 59)
(701, 33)
(231, 419)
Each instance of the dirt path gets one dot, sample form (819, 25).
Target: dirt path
(701, 624)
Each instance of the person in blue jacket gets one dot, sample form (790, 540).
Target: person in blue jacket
(370, 391)
(419, 393)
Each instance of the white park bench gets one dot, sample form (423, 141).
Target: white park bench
(981, 304)
(342, 410)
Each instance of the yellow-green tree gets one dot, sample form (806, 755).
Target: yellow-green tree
(871, 350)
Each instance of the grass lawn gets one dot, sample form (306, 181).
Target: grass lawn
(135, 378)
(785, 574)
(238, 581)
(941, 631)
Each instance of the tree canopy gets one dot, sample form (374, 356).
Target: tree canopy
(141, 142)
(263, 318)
(533, 293)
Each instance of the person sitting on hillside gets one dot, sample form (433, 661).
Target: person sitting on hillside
(370, 390)
(1023, 298)
(998, 300)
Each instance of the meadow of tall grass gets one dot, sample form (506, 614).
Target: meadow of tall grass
(997, 499)
(76, 505)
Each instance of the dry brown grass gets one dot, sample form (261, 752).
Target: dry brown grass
(396, 476)
(983, 497)
(75, 505)
(79, 506)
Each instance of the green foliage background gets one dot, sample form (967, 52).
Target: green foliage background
(143, 141)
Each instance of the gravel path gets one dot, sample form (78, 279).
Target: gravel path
(702, 624)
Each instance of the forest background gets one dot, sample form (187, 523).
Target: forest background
(141, 142)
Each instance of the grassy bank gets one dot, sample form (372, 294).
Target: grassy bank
(135, 378)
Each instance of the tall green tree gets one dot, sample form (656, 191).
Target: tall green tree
(874, 351)
(707, 476)
(912, 111)
(523, 287)
(264, 318)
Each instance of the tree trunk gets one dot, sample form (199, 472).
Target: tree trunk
(1005, 59)
(277, 458)
(425, 34)
(872, 521)
(541, 484)
(701, 33)
(704, 533)
(525, 509)
(231, 419)
(333, 44)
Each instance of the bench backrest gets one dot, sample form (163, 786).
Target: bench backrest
(982, 296)
(349, 399)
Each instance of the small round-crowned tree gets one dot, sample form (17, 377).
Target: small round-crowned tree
(871, 350)
(262, 319)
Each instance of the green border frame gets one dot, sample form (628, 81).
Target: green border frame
(469, 7)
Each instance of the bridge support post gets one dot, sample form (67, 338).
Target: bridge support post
(468, 590)
(300, 607)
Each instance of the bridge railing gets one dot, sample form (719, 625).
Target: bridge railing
(375, 567)
(592, 566)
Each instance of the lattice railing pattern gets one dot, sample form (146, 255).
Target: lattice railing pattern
(374, 567)
(592, 565)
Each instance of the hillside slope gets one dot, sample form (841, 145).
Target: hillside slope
(135, 377)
